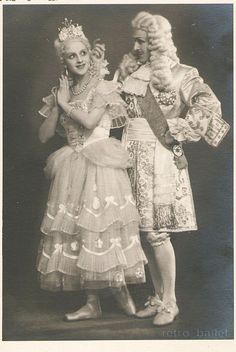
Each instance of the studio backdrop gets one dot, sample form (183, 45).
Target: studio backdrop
(203, 37)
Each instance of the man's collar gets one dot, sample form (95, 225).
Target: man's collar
(143, 73)
(137, 82)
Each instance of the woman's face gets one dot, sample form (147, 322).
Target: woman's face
(76, 57)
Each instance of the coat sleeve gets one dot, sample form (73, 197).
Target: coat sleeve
(203, 118)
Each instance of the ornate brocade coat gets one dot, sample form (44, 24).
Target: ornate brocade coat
(163, 192)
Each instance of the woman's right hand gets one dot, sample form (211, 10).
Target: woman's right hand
(63, 92)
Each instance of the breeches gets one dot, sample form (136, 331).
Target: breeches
(156, 239)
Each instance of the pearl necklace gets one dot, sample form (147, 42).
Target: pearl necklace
(82, 89)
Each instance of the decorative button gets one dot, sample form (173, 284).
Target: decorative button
(177, 150)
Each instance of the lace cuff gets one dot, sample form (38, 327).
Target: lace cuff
(203, 119)
(49, 103)
(181, 130)
(46, 110)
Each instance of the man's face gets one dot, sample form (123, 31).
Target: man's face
(140, 48)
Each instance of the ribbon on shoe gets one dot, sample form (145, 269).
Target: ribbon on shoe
(162, 307)
(153, 301)
(151, 307)
(166, 313)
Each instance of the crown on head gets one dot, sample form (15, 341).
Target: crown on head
(70, 31)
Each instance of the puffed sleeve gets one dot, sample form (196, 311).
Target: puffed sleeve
(46, 110)
(107, 95)
(203, 118)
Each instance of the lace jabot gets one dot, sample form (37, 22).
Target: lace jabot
(137, 82)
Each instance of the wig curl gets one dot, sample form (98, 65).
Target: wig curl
(161, 47)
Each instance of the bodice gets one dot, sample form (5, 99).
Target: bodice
(103, 95)
(77, 135)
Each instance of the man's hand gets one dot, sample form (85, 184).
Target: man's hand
(181, 162)
(98, 51)
(128, 65)
(169, 139)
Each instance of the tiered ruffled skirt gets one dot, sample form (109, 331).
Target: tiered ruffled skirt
(91, 225)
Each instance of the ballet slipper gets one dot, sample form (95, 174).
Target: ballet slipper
(124, 300)
(88, 311)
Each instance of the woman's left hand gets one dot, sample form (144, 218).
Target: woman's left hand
(63, 93)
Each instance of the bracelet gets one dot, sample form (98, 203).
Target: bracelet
(70, 111)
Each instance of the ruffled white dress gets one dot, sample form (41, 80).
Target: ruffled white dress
(91, 225)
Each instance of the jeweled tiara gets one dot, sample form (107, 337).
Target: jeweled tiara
(70, 31)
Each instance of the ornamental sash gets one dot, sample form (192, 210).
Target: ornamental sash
(151, 111)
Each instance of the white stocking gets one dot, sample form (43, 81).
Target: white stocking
(165, 261)
(154, 270)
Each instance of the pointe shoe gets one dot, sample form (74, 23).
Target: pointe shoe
(166, 314)
(124, 300)
(151, 307)
(88, 311)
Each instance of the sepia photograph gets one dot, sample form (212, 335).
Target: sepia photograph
(117, 171)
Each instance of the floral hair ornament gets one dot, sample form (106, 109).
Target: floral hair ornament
(70, 31)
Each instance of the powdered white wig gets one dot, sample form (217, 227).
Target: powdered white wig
(161, 47)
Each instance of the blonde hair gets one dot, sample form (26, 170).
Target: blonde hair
(60, 46)
(161, 46)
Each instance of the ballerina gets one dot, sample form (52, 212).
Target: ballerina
(91, 225)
